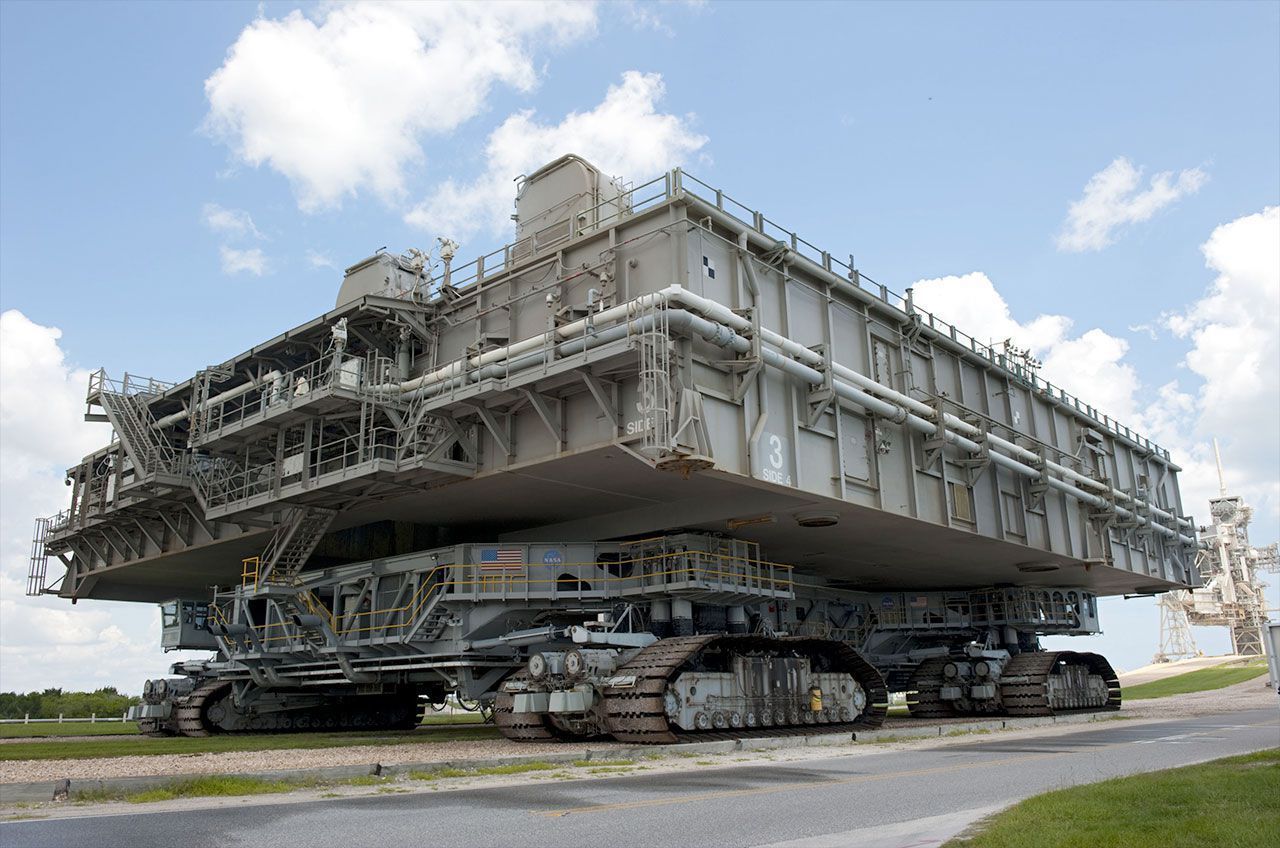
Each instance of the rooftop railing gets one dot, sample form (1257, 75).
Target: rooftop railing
(662, 189)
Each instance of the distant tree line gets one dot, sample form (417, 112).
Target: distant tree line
(54, 702)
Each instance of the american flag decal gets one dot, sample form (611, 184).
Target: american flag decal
(501, 561)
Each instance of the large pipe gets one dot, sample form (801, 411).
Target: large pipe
(229, 394)
(723, 336)
(703, 209)
(731, 319)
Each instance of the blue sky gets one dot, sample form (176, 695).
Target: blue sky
(932, 141)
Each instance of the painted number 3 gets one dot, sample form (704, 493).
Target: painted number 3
(775, 452)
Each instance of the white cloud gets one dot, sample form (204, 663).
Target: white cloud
(1089, 365)
(625, 135)
(229, 222)
(1234, 331)
(1234, 337)
(650, 15)
(251, 261)
(1114, 198)
(339, 104)
(316, 259)
(43, 640)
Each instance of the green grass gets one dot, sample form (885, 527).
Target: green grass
(129, 728)
(509, 768)
(68, 728)
(196, 787)
(459, 718)
(222, 785)
(1230, 802)
(79, 749)
(1196, 681)
(584, 763)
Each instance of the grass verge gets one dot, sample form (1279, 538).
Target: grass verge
(79, 749)
(510, 768)
(68, 728)
(1203, 680)
(211, 786)
(1233, 802)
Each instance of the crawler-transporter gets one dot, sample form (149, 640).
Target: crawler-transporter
(658, 468)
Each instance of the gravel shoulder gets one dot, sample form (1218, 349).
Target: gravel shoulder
(1253, 694)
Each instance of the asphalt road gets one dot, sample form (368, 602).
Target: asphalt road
(896, 798)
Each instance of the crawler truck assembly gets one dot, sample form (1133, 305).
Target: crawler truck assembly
(658, 469)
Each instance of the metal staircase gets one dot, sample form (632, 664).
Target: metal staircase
(421, 434)
(292, 544)
(314, 620)
(125, 404)
(432, 617)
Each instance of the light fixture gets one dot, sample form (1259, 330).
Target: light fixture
(817, 519)
(767, 518)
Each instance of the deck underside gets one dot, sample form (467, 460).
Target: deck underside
(571, 499)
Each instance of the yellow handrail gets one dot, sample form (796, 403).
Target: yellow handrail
(249, 567)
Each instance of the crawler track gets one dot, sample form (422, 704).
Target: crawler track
(637, 713)
(154, 728)
(192, 715)
(1029, 696)
(926, 681)
(523, 727)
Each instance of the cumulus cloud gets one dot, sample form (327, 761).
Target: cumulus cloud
(339, 103)
(316, 259)
(236, 223)
(43, 641)
(625, 135)
(1233, 333)
(648, 15)
(1089, 364)
(1114, 198)
(250, 261)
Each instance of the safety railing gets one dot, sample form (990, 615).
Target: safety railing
(370, 376)
(676, 182)
(250, 568)
(319, 461)
(600, 216)
(129, 385)
(126, 403)
(675, 572)
(1041, 609)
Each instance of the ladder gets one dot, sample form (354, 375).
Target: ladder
(292, 544)
(39, 557)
